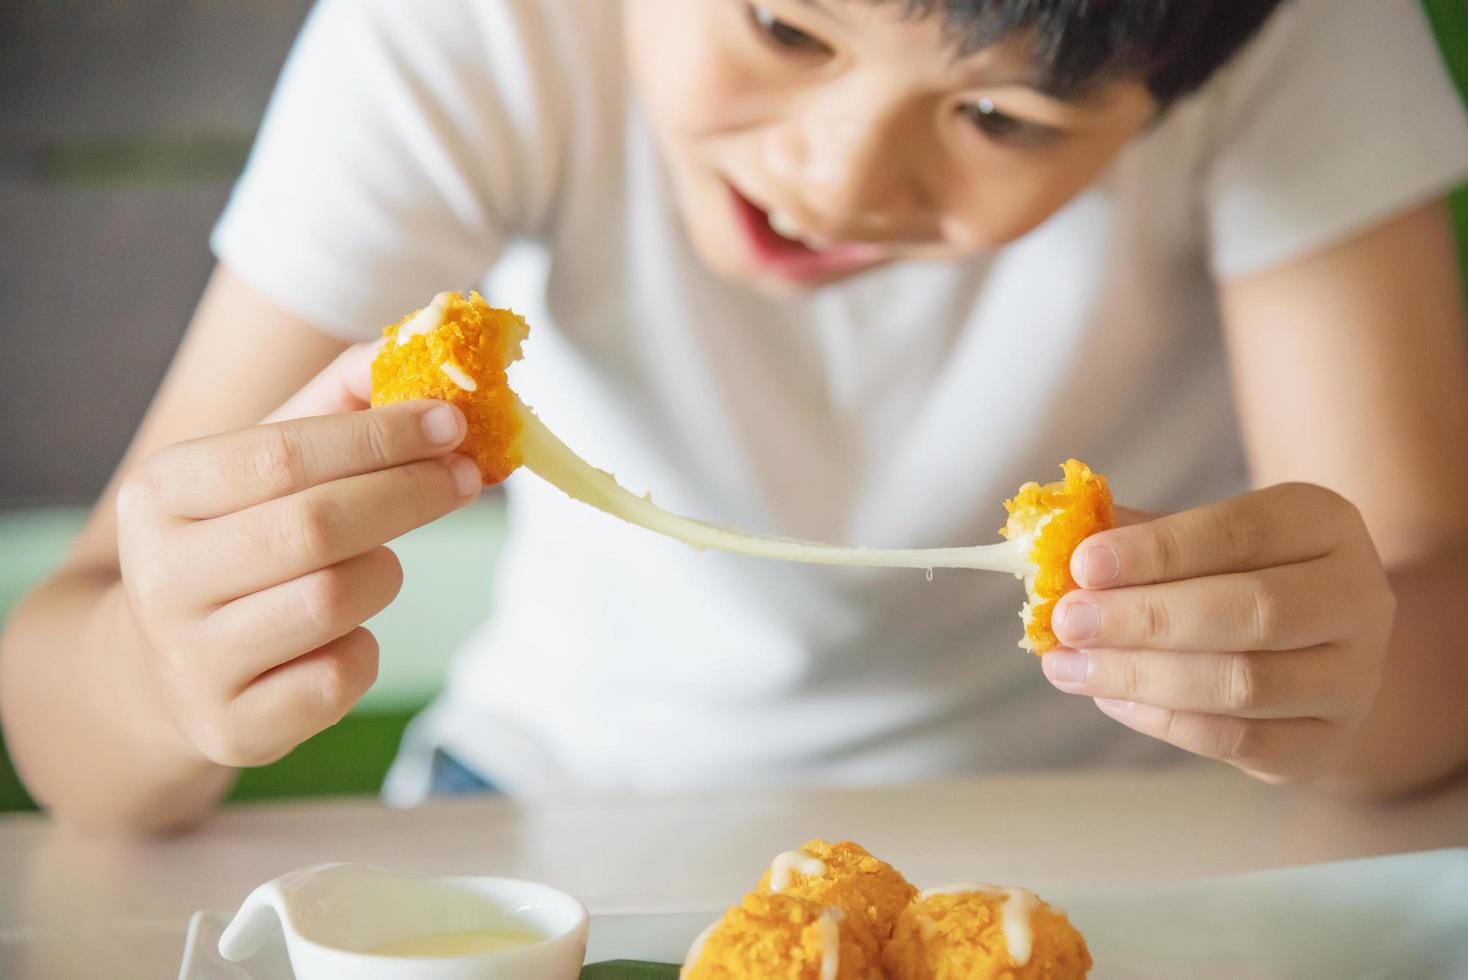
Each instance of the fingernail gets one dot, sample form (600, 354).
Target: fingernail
(441, 425)
(1102, 566)
(1076, 622)
(1114, 707)
(466, 476)
(1066, 667)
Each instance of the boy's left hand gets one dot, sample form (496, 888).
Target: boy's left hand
(1253, 630)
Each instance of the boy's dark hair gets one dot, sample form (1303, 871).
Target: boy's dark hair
(1173, 46)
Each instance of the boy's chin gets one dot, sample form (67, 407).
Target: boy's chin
(778, 286)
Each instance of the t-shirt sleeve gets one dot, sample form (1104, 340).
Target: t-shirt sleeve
(404, 145)
(1339, 116)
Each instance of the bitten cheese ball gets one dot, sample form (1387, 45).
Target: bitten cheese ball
(1049, 521)
(457, 349)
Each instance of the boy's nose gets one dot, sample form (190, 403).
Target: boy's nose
(852, 172)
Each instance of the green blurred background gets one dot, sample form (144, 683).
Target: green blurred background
(130, 123)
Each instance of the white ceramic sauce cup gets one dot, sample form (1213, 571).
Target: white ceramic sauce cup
(330, 914)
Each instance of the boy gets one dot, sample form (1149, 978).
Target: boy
(840, 269)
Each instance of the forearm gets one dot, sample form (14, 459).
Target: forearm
(83, 719)
(1417, 733)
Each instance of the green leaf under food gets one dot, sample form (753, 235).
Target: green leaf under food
(630, 970)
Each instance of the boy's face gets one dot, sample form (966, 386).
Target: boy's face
(809, 140)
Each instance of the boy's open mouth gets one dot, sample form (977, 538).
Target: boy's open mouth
(778, 247)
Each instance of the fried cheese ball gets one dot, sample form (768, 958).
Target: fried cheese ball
(771, 936)
(870, 891)
(457, 349)
(1050, 521)
(984, 933)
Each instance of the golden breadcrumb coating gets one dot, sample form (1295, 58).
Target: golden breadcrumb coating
(1066, 513)
(962, 932)
(870, 890)
(474, 342)
(783, 937)
(961, 937)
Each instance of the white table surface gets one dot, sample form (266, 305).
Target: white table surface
(74, 906)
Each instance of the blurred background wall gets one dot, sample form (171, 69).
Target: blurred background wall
(125, 123)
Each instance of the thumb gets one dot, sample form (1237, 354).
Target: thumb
(1124, 517)
(344, 385)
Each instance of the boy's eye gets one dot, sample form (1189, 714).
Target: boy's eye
(1004, 128)
(783, 35)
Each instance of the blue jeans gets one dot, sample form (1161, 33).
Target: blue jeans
(452, 778)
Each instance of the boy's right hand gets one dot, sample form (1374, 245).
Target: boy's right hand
(251, 559)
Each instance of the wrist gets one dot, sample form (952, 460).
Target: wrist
(85, 718)
(146, 715)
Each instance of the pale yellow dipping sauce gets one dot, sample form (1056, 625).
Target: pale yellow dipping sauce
(464, 942)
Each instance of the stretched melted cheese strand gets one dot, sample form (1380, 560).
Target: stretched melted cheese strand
(458, 349)
(553, 461)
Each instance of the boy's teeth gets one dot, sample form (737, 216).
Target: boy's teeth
(784, 226)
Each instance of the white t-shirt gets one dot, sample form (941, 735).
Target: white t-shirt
(409, 145)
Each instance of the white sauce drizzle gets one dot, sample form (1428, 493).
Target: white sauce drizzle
(1014, 915)
(830, 925)
(792, 861)
(459, 376)
(696, 950)
(426, 320)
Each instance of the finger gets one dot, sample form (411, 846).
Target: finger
(1281, 524)
(284, 539)
(286, 620)
(222, 474)
(1277, 749)
(345, 385)
(1313, 683)
(287, 705)
(1127, 516)
(1283, 608)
